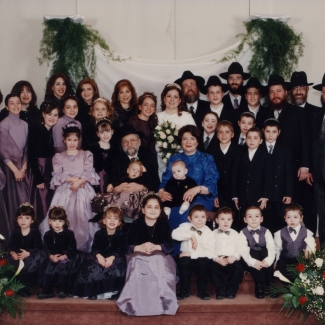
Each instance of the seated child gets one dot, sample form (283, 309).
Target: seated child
(256, 246)
(197, 251)
(177, 186)
(25, 243)
(246, 121)
(290, 240)
(63, 261)
(104, 275)
(226, 269)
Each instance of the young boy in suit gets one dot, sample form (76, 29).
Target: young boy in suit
(245, 122)
(256, 246)
(282, 176)
(196, 252)
(209, 140)
(226, 269)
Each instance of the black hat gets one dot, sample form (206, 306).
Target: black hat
(235, 68)
(127, 130)
(255, 83)
(320, 86)
(275, 79)
(299, 78)
(213, 81)
(189, 75)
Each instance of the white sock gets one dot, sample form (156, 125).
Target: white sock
(167, 211)
(184, 207)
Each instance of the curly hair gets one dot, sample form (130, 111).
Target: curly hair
(49, 92)
(20, 85)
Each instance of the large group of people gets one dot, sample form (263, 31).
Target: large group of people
(241, 160)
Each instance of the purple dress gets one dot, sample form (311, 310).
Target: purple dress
(13, 147)
(76, 203)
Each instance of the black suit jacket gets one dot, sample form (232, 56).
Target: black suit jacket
(203, 107)
(212, 145)
(281, 172)
(251, 180)
(262, 115)
(227, 101)
(116, 167)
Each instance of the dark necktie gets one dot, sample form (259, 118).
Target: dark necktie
(322, 133)
(242, 141)
(292, 230)
(257, 231)
(198, 231)
(236, 105)
(134, 159)
(227, 232)
(271, 149)
(206, 143)
(192, 110)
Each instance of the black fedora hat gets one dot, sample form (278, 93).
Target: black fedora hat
(275, 79)
(213, 81)
(235, 68)
(255, 83)
(127, 130)
(320, 86)
(189, 75)
(299, 78)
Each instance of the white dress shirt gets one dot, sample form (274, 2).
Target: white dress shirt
(254, 111)
(232, 98)
(226, 148)
(278, 240)
(205, 240)
(244, 249)
(226, 245)
(251, 153)
(218, 110)
(242, 136)
(194, 105)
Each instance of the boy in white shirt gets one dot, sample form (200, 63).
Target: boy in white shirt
(256, 246)
(226, 269)
(291, 240)
(196, 251)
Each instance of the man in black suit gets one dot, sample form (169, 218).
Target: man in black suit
(235, 79)
(116, 166)
(254, 91)
(190, 88)
(318, 160)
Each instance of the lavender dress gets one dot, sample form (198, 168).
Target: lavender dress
(76, 203)
(13, 147)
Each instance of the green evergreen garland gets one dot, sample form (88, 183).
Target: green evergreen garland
(276, 48)
(70, 46)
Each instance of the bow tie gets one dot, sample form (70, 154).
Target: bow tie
(227, 232)
(198, 231)
(292, 230)
(257, 231)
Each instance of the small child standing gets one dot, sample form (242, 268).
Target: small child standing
(291, 240)
(103, 277)
(196, 252)
(246, 121)
(177, 186)
(256, 246)
(226, 269)
(63, 261)
(25, 244)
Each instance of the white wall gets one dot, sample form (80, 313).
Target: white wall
(152, 29)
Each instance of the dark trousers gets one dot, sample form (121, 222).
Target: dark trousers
(263, 275)
(273, 216)
(282, 265)
(226, 278)
(319, 189)
(186, 266)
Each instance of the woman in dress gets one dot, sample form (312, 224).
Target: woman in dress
(73, 175)
(150, 287)
(57, 87)
(40, 154)
(145, 120)
(13, 155)
(87, 91)
(201, 167)
(29, 112)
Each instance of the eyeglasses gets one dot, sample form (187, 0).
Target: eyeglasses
(131, 141)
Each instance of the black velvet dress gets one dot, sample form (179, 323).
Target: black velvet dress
(31, 116)
(32, 243)
(89, 135)
(93, 279)
(62, 273)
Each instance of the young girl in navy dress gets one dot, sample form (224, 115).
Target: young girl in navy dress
(150, 267)
(103, 277)
(63, 262)
(25, 243)
(73, 175)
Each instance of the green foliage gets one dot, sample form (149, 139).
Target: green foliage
(276, 48)
(71, 47)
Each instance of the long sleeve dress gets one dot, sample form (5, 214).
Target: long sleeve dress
(95, 280)
(75, 203)
(4, 218)
(150, 287)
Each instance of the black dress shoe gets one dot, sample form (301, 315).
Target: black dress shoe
(203, 295)
(45, 295)
(259, 290)
(61, 294)
(92, 298)
(182, 294)
(230, 295)
(220, 295)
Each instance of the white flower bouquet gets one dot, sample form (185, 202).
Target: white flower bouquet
(167, 140)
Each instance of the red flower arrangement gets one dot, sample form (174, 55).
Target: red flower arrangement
(3, 262)
(300, 267)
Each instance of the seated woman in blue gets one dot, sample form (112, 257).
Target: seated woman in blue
(201, 167)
